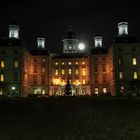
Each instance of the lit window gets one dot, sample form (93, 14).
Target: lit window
(120, 60)
(1, 77)
(120, 75)
(56, 63)
(63, 71)
(83, 63)
(15, 63)
(1, 91)
(56, 81)
(2, 64)
(83, 72)
(69, 63)
(134, 61)
(122, 89)
(63, 63)
(76, 71)
(56, 72)
(104, 90)
(63, 83)
(70, 71)
(76, 63)
(77, 82)
(84, 81)
(43, 69)
(96, 91)
(70, 81)
(43, 91)
(135, 75)
(43, 59)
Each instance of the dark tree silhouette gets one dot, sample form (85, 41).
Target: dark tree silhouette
(68, 90)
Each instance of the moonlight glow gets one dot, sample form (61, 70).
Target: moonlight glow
(81, 46)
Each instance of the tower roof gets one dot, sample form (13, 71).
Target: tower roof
(125, 39)
(70, 34)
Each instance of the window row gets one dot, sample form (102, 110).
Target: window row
(133, 49)
(99, 59)
(96, 68)
(70, 71)
(42, 60)
(35, 69)
(97, 80)
(35, 79)
(63, 82)
(96, 90)
(70, 63)
(133, 61)
(15, 63)
(134, 75)
(15, 77)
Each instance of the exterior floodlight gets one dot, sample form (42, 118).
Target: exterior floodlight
(13, 88)
(81, 46)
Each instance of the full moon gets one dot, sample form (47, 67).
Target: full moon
(81, 46)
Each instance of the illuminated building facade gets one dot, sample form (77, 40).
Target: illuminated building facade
(113, 70)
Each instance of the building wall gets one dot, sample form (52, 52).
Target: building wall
(76, 70)
(39, 74)
(124, 55)
(48, 74)
(100, 74)
(12, 75)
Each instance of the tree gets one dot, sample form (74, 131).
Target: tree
(68, 89)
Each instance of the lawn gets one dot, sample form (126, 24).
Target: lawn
(70, 118)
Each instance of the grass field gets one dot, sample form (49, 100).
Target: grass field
(70, 118)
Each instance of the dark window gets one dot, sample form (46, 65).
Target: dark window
(35, 60)
(96, 78)
(104, 78)
(15, 76)
(133, 49)
(104, 68)
(96, 68)
(120, 49)
(95, 59)
(43, 79)
(2, 52)
(104, 59)
(34, 79)
(35, 68)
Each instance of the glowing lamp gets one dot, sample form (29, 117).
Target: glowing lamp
(13, 88)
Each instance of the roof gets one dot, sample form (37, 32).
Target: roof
(125, 39)
(11, 42)
(39, 51)
(99, 50)
(70, 35)
(73, 55)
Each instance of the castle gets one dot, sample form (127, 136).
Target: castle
(113, 70)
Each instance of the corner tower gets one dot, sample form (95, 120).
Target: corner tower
(70, 42)
(14, 31)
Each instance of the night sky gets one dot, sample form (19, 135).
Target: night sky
(51, 19)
